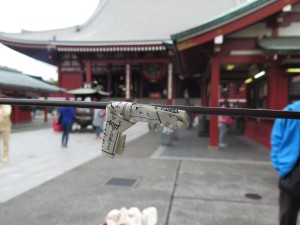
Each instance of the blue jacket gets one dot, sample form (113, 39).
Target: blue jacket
(67, 114)
(285, 142)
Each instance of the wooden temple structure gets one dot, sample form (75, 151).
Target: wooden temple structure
(15, 84)
(258, 43)
(121, 49)
(244, 50)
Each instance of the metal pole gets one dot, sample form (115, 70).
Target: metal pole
(262, 113)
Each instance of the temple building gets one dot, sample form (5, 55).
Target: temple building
(244, 51)
(258, 43)
(121, 49)
(15, 84)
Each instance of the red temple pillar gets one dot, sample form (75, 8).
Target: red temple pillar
(59, 76)
(128, 83)
(170, 84)
(214, 101)
(88, 78)
(277, 94)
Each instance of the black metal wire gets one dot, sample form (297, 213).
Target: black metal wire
(58, 103)
(244, 112)
(261, 113)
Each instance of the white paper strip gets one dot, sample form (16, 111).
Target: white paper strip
(122, 115)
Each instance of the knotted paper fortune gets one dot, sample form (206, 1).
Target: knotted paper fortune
(122, 115)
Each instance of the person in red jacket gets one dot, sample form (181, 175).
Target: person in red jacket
(224, 123)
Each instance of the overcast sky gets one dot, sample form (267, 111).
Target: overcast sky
(37, 15)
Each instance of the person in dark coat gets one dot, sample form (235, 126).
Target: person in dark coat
(67, 114)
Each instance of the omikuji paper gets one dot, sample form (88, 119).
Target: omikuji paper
(122, 115)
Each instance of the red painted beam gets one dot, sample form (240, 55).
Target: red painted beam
(165, 60)
(236, 24)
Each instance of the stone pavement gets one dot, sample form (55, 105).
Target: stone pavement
(189, 184)
(37, 156)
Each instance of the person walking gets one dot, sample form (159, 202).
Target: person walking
(98, 120)
(5, 129)
(67, 114)
(285, 143)
(224, 123)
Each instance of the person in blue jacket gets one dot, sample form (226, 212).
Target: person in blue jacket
(67, 114)
(285, 142)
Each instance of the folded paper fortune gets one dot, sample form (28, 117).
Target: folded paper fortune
(122, 115)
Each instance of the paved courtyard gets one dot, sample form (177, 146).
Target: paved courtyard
(188, 183)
